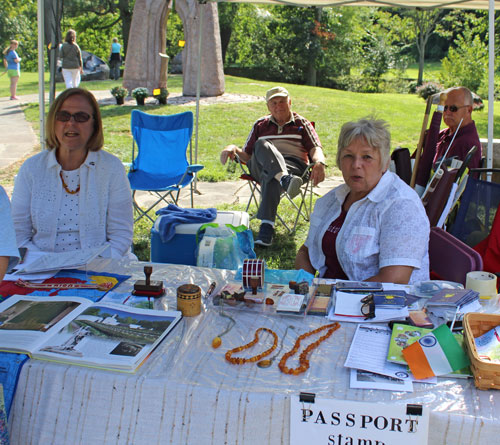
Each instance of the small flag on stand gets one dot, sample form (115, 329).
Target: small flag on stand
(436, 353)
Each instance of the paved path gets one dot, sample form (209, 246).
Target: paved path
(19, 140)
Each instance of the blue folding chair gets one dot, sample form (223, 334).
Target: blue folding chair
(161, 166)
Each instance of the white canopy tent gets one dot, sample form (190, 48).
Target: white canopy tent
(490, 5)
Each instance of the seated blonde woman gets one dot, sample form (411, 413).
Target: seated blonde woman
(373, 227)
(74, 195)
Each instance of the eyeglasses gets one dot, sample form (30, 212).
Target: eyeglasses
(80, 116)
(368, 307)
(453, 108)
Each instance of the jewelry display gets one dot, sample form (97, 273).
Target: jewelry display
(255, 358)
(303, 360)
(65, 186)
(266, 363)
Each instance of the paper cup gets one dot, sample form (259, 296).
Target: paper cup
(483, 282)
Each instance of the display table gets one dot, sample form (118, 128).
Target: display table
(186, 393)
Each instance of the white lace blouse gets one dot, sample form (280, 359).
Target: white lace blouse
(388, 227)
(105, 214)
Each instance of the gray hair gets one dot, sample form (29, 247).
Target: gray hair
(374, 131)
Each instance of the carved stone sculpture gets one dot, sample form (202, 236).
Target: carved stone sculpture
(145, 68)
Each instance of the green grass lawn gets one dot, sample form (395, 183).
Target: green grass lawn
(222, 124)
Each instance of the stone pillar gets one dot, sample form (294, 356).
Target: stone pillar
(212, 72)
(143, 65)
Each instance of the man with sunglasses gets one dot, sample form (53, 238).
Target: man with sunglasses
(457, 114)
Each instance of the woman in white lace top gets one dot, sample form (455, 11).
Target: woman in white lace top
(74, 195)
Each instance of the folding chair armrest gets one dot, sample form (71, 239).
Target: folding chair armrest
(194, 168)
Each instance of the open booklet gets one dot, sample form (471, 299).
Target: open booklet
(75, 330)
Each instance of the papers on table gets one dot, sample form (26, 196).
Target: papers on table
(368, 352)
(348, 308)
(55, 261)
(369, 380)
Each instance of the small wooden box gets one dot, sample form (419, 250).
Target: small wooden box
(189, 300)
(486, 375)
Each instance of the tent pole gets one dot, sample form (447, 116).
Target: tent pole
(41, 72)
(491, 83)
(198, 88)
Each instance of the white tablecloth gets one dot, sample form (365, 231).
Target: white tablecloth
(186, 393)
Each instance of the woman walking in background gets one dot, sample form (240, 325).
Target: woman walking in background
(115, 60)
(12, 63)
(71, 56)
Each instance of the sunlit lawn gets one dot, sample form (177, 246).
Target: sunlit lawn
(224, 123)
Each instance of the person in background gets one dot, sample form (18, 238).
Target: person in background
(12, 63)
(457, 114)
(277, 152)
(115, 60)
(74, 195)
(373, 227)
(9, 254)
(72, 65)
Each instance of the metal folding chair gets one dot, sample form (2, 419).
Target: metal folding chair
(304, 208)
(161, 166)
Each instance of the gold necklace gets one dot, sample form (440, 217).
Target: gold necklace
(256, 358)
(303, 360)
(65, 186)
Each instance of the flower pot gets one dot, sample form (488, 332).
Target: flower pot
(140, 100)
(120, 100)
(162, 100)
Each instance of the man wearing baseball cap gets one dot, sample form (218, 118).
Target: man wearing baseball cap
(277, 152)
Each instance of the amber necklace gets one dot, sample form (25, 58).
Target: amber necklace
(255, 358)
(303, 360)
(65, 186)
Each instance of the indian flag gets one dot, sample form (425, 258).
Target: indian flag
(436, 353)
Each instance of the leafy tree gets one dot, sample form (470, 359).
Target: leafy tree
(424, 24)
(467, 60)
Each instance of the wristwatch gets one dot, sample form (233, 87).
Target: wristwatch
(320, 162)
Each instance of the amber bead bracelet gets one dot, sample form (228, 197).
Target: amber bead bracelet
(256, 358)
(303, 360)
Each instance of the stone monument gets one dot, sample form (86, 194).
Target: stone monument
(144, 67)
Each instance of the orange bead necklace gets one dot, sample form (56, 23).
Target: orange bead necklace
(255, 358)
(303, 360)
(65, 186)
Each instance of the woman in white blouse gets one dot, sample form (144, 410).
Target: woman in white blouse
(373, 227)
(73, 195)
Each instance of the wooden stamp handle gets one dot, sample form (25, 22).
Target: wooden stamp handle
(148, 270)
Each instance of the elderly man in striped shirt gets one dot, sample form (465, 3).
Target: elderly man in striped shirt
(277, 152)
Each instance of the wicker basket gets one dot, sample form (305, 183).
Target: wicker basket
(486, 375)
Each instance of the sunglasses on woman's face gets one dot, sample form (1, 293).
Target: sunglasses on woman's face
(80, 116)
(453, 108)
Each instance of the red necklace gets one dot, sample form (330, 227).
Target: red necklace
(65, 186)
(303, 360)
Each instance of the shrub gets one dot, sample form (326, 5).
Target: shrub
(428, 89)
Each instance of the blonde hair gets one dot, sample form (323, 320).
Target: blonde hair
(12, 42)
(96, 141)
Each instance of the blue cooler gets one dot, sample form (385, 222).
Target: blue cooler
(181, 248)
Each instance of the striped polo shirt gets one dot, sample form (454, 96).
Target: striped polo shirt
(296, 138)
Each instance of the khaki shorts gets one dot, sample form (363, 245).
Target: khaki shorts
(13, 73)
